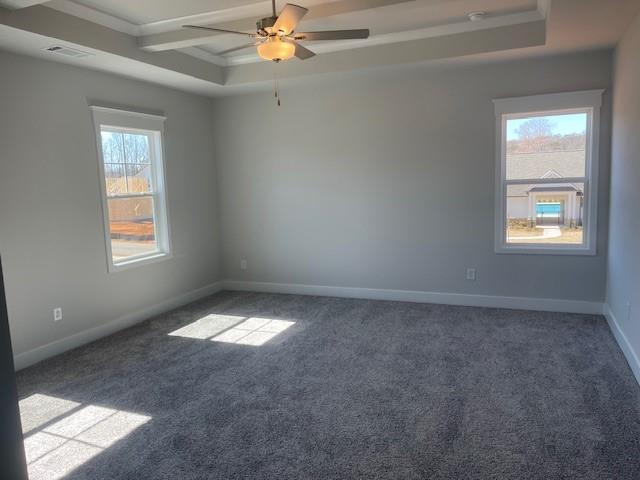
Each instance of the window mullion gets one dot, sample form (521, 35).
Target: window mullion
(130, 195)
(547, 181)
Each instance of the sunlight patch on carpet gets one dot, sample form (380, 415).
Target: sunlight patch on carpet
(208, 326)
(254, 331)
(63, 435)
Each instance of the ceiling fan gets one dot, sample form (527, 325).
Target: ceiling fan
(276, 38)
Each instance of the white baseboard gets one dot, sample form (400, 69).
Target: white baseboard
(520, 303)
(623, 341)
(38, 354)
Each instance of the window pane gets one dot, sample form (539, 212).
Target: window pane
(127, 159)
(550, 146)
(545, 214)
(115, 178)
(112, 147)
(136, 148)
(131, 227)
(139, 178)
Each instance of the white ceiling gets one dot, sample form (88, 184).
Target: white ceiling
(140, 12)
(142, 17)
(422, 12)
(144, 38)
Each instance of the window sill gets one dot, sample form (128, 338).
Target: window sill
(139, 261)
(545, 250)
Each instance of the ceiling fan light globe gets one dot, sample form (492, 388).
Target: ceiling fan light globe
(275, 49)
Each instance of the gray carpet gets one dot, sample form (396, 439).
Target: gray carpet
(354, 389)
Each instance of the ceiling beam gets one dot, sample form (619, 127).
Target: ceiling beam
(183, 38)
(18, 4)
(67, 28)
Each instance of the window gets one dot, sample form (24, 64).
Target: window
(132, 184)
(547, 173)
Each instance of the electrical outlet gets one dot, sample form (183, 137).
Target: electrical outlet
(243, 264)
(471, 274)
(57, 314)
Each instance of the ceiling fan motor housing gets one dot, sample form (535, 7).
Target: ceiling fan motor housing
(265, 23)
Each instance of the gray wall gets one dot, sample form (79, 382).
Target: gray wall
(624, 251)
(51, 230)
(385, 179)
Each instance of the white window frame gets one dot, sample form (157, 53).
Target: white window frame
(152, 125)
(588, 102)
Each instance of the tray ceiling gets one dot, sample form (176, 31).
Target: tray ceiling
(144, 38)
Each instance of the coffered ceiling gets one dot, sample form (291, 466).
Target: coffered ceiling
(145, 39)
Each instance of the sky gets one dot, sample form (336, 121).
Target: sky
(564, 124)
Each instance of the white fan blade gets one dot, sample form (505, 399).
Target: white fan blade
(220, 30)
(289, 18)
(333, 35)
(242, 47)
(302, 52)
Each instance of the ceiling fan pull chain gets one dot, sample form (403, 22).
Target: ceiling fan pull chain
(276, 83)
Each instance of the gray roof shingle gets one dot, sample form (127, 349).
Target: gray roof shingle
(537, 165)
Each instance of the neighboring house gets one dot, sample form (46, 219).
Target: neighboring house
(544, 204)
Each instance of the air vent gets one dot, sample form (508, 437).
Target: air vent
(477, 16)
(67, 51)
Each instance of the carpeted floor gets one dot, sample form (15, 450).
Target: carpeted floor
(337, 389)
